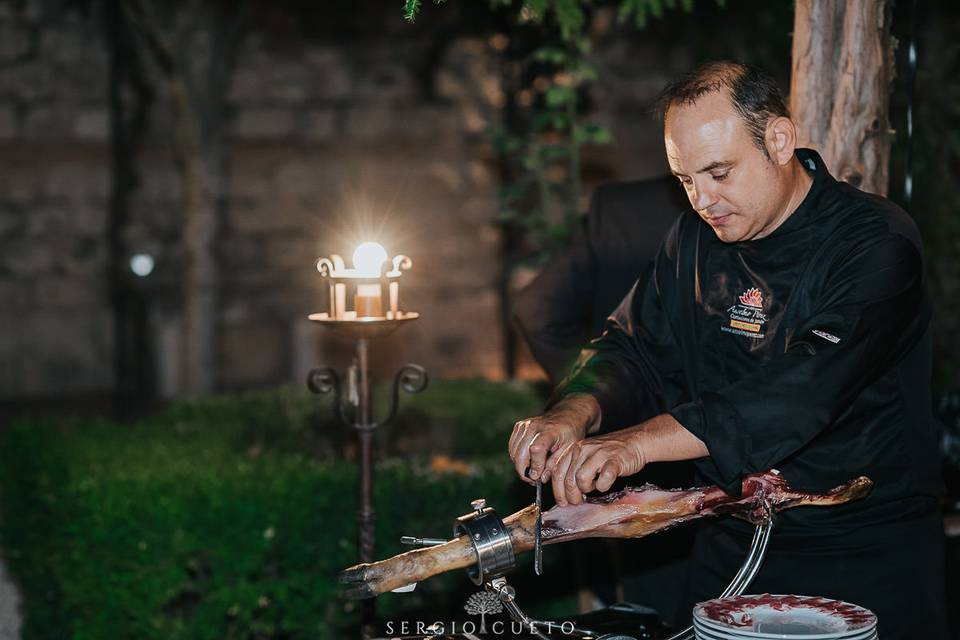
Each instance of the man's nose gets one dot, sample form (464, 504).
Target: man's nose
(701, 197)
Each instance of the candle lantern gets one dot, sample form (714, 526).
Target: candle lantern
(365, 293)
(364, 303)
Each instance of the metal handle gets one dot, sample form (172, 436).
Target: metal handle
(751, 565)
(421, 542)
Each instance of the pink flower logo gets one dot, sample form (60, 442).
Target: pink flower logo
(752, 297)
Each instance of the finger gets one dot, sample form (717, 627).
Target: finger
(558, 473)
(521, 459)
(609, 473)
(540, 446)
(521, 462)
(586, 475)
(518, 430)
(570, 487)
(550, 465)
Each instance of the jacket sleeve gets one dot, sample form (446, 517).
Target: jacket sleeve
(868, 315)
(634, 367)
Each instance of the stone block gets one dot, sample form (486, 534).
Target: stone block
(384, 79)
(69, 294)
(321, 125)
(28, 81)
(8, 122)
(370, 121)
(253, 354)
(160, 183)
(265, 123)
(429, 122)
(74, 182)
(21, 184)
(276, 215)
(329, 74)
(92, 125)
(287, 82)
(28, 260)
(296, 178)
(12, 220)
(64, 353)
(15, 41)
(15, 295)
(48, 122)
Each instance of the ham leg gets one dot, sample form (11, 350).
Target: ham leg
(630, 513)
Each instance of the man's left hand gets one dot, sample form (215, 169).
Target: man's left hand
(594, 464)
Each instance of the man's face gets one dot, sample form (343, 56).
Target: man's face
(731, 183)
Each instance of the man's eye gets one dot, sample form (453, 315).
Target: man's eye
(721, 177)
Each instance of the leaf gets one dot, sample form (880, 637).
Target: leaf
(410, 9)
(557, 96)
(551, 55)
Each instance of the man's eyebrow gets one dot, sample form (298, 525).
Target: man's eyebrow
(720, 164)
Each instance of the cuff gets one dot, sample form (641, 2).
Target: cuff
(718, 424)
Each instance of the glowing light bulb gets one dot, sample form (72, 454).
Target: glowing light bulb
(368, 258)
(141, 264)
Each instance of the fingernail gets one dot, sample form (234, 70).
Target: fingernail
(534, 475)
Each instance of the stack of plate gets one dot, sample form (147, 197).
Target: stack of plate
(772, 617)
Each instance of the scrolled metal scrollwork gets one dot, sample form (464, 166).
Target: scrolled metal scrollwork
(325, 267)
(401, 263)
(412, 378)
(324, 380)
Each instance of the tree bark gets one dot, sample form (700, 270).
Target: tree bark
(200, 278)
(842, 74)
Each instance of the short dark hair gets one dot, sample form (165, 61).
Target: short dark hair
(753, 93)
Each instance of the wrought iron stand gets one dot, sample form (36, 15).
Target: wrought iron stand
(356, 410)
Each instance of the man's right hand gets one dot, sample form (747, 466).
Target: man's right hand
(535, 440)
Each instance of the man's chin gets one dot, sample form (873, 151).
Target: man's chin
(727, 234)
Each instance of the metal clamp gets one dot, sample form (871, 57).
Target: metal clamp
(491, 542)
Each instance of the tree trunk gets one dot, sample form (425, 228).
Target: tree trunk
(199, 170)
(842, 75)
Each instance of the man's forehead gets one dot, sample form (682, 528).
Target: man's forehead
(701, 134)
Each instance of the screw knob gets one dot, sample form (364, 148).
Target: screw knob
(478, 504)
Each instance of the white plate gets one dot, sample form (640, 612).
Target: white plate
(785, 616)
(707, 633)
(700, 634)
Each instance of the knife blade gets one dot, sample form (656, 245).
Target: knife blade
(537, 546)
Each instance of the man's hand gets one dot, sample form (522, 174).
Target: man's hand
(595, 463)
(534, 439)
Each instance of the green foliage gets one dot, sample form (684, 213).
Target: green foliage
(217, 519)
(412, 7)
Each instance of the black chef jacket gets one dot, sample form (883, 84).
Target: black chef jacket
(807, 351)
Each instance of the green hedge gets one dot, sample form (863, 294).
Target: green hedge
(230, 517)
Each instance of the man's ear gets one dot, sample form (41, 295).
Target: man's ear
(781, 139)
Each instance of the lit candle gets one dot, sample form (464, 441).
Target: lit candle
(340, 293)
(367, 302)
(394, 296)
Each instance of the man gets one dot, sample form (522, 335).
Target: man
(570, 299)
(785, 325)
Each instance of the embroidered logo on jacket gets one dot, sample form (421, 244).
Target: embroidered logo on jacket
(752, 297)
(747, 318)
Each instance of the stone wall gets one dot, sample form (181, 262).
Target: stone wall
(333, 143)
